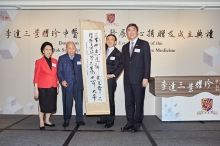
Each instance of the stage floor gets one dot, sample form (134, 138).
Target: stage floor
(23, 130)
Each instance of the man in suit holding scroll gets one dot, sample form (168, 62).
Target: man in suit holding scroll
(114, 65)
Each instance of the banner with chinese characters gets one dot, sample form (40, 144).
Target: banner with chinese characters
(94, 67)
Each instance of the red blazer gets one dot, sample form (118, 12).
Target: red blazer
(43, 75)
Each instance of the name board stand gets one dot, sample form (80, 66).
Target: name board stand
(186, 98)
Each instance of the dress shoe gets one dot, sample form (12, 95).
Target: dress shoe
(50, 125)
(42, 128)
(126, 128)
(135, 129)
(109, 125)
(100, 122)
(65, 124)
(81, 123)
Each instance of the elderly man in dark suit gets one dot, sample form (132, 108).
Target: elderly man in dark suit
(69, 74)
(114, 65)
(137, 64)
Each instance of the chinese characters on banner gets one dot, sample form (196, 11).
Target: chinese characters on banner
(93, 65)
(167, 86)
(152, 33)
(44, 33)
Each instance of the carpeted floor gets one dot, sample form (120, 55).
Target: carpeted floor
(23, 130)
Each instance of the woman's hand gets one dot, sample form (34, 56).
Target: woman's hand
(36, 94)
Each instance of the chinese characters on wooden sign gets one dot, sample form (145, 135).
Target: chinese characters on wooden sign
(168, 86)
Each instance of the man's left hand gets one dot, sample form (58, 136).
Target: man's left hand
(144, 82)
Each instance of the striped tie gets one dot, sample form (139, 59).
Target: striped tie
(131, 48)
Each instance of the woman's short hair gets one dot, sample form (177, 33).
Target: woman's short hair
(44, 45)
(132, 24)
(112, 35)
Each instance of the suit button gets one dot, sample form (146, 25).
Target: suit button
(129, 62)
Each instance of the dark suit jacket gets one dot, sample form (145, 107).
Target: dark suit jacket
(138, 65)
(115, 63)
(43, 75)
(65, 71)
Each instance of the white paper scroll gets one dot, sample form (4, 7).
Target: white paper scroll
(93, 65)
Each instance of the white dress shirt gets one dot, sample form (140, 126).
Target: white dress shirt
(109, 51)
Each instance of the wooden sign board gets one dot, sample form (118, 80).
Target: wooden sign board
(168, 86)
(93, 54)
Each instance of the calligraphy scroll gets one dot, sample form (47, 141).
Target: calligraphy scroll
(94, 67)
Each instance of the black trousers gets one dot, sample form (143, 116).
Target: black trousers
(109, 119)
(134, 103)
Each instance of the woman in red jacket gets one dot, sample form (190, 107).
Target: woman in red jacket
(46, 84)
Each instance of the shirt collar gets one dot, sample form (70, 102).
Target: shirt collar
(47, 58)
(135, 40)
(111, 48)
(71, 57)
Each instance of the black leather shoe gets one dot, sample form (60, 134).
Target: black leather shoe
(65, 124)
(42, 128)
(109, 125)
(126, 128)
(135, 129)
(50, 125)
(100, 122)
(81, 123)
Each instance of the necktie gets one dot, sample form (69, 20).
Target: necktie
(131, 48)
